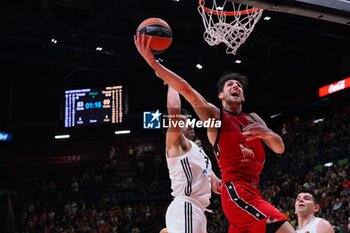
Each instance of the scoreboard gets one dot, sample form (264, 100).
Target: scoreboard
(93, 106)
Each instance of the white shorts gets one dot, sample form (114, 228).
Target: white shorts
(184, 216)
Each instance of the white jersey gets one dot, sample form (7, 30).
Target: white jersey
(190, 175)
(310, 227)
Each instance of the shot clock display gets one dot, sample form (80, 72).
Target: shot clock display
(92, 106)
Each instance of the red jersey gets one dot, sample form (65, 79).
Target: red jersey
(239, 160)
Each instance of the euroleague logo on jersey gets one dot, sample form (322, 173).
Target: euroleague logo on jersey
(157, 120)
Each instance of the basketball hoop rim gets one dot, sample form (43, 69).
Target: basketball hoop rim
(227, 13)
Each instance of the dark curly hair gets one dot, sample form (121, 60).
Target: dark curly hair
(231, 76)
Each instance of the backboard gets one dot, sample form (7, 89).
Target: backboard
(337, 11)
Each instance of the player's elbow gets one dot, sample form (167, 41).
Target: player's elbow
(279, 152)
(276, 144)
(280, 149)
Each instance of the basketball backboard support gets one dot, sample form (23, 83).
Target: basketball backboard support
(337, 11)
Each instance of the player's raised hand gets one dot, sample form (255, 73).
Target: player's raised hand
(143, 47)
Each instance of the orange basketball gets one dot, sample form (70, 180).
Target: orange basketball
(160, 32)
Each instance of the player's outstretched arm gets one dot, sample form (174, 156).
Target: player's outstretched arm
(204, 109)
(174, 136)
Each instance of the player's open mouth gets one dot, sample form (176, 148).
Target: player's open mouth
(234, 94)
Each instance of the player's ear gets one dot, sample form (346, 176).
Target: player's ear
(317, 207)
(221, 95)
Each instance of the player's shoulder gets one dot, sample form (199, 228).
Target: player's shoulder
(177, 147)
(323, 226)
(324, 222)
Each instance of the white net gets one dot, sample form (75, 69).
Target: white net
(229, 23)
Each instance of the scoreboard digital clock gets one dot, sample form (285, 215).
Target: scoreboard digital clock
(92, 106)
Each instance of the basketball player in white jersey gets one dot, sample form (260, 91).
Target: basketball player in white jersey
(191, 175)
(306, 205)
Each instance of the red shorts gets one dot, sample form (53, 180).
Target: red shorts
(246, 210)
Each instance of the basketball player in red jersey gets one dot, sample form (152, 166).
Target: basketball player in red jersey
(238, 147)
